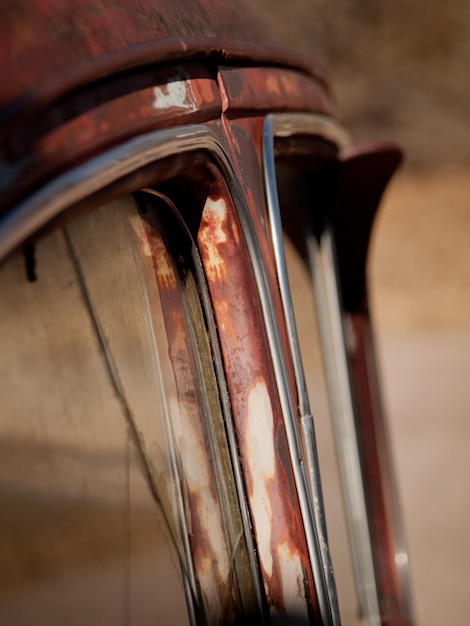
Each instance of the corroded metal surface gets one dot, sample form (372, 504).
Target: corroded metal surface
(245, 140)
(216, 594)
(49, 48)
(170, 97)
(264, 456)
(76, 36)
(272, 89)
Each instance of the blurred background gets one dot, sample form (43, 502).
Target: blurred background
(399, 70)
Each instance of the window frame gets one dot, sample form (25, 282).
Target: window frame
(100, 173)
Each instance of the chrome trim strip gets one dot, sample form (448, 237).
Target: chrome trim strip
(283, 126)
(288, 124)
(322, 258)
(334, 351)
(310, 528)
(77, 184)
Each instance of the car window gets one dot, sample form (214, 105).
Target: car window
(116, 481)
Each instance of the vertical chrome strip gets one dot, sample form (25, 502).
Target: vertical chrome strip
(324, 277)
(306, 419)
(310, 528)
(325, 286)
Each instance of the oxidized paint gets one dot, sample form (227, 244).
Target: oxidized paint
(264, 457)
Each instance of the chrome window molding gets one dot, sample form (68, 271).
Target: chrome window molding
(81, 182)
(326, 289)
(34, 212)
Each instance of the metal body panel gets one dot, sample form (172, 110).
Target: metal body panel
(387, 536)
(376, 535)
(117, 86)
(261, 89)
(264, 456)
(91, 122)
(276, 512)
(99, 116)
(81, 43)
(244, 152)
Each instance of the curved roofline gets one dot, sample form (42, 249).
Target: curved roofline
(147, 54)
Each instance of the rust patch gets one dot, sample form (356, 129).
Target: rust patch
(273, 89)
(153, 246)
(216, 590)
(260, 448)
(212, 233)
(70, 132)
(257, 415)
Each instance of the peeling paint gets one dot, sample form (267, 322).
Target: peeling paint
(177, 93)
(222, 311)
(163, 269)
(292, 576)
(260, 443)
(211, 557)
(211, 234)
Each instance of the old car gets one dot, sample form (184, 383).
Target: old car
(158, 456)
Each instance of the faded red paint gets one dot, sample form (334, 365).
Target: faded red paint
(176, 96)
(272, 496)
(245, 139)
(261, 89)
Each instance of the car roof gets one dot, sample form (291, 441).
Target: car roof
(51, 47)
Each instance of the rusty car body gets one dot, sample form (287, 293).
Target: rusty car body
(155, 421)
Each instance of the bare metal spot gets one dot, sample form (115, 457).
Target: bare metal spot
(177, 93)
(211, 235)
(260, 443)
(292, 577)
